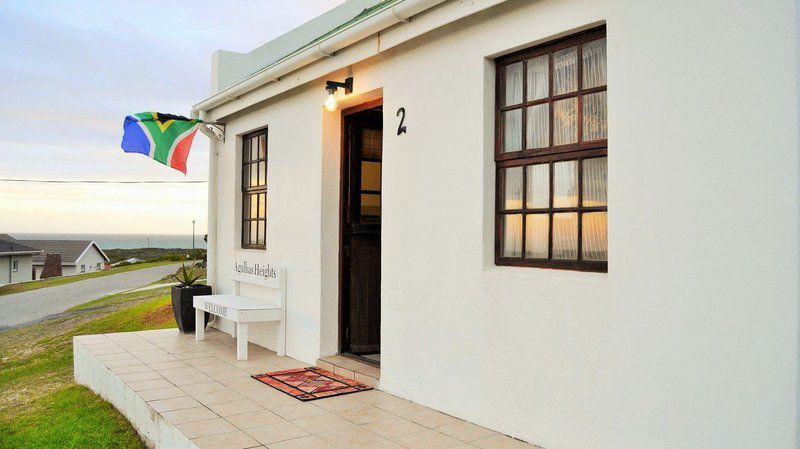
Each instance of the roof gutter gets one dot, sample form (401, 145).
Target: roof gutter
(379, 21)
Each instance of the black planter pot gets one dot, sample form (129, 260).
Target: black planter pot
(183, 308)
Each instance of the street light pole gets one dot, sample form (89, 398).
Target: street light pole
(193, 239)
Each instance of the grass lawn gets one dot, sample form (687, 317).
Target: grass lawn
(40, 404)
(34, 285)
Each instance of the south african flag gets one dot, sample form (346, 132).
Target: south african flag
(166, 138)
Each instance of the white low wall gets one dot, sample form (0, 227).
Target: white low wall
(151, 427)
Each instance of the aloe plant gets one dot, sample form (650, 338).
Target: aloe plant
(186, 276)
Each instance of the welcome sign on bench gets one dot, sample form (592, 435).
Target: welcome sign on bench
(243, 310)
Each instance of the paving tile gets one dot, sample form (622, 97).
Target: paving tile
(123, 362)
(301, 410)
(149, 360)
(341, 403)
(430, 418)
(189, 379)
(321, 423)
(189, 415)
(273, 433)
(250, 420)
(204, 387)
(167, 365)
(206, 427)
(234, 407)
(501, 442)
(135, 377)
(382, 445)
(115, 356)
(465, 431)
(394, 427)
(217, 397)
(427, 439)
(399, 407)
(230, 440)
(350, 436)
(169, 405)
(150, 384)
(140, 368)
(375, 397)
(309, 442)
(365, 415)
(161, 393)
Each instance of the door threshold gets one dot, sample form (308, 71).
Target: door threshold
(368, 359)
(351, 368)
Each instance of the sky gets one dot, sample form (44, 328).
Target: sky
(71, 72)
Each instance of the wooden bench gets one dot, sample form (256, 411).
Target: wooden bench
(242, 310)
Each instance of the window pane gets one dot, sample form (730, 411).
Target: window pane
(512, 188)
(565, 121)
(371, 143)
(261, 231)
(595, 122)
(253, 206)
(254, 148)
(262, 205)
(536, 233)
(594, 63)
(595, 175)
(370, 175)
(262, 173)
(245, 150)
(370, 207)
(565, 184)
(565, 71)
(512, 135)
(565, 236)
(262, 146)
(253, 233)
(513, 84)
(512, 235)
(538, 78)
(538, 193)
(538, 126)
(246, 176)
(594, 235)
(253, 174)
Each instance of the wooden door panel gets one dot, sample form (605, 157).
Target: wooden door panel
(365, 301)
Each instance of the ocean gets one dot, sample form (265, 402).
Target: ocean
(123, 241)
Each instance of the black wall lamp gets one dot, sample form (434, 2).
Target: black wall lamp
(332, 86)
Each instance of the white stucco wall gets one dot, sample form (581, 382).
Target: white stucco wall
(23, 273)
(90, 258)
(690, 340)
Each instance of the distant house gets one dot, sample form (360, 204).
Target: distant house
(77, 256)
(16, 261)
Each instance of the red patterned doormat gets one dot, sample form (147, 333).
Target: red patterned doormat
(310, 383)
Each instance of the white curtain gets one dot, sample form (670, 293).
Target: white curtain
(536, 234)
(513, 188)
(538, 77)
(537, 128)
(565, 184)
(594, 181)
(565, 236)
(594, 63)
(594, 236)
(595, 123)
(513, 83)
(512, 235)
(538, 189)
(512, 130)
(565, 71)
(565, 121)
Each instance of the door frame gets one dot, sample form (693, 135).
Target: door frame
(344, 161)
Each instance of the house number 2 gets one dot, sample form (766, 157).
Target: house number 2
(401, 128)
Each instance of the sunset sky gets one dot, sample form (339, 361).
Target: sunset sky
(73, 70)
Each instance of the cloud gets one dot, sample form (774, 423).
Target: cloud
(73, 70)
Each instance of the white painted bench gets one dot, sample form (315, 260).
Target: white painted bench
(242, 310)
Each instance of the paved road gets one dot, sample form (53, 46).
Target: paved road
(31, 306)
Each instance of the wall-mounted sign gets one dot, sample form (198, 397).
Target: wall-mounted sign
(257, 272)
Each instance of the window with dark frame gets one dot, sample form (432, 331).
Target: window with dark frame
(254, 190)
(551, 149)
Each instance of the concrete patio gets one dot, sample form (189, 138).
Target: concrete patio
(182, 393)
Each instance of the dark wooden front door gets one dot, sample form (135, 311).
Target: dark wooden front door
(361, 231)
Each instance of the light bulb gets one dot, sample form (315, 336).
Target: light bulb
(330, 102)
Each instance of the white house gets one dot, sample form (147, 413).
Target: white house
(77, 256)
(574, 222)
(16, 261)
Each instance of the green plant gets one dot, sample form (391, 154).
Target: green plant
(186, 276)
